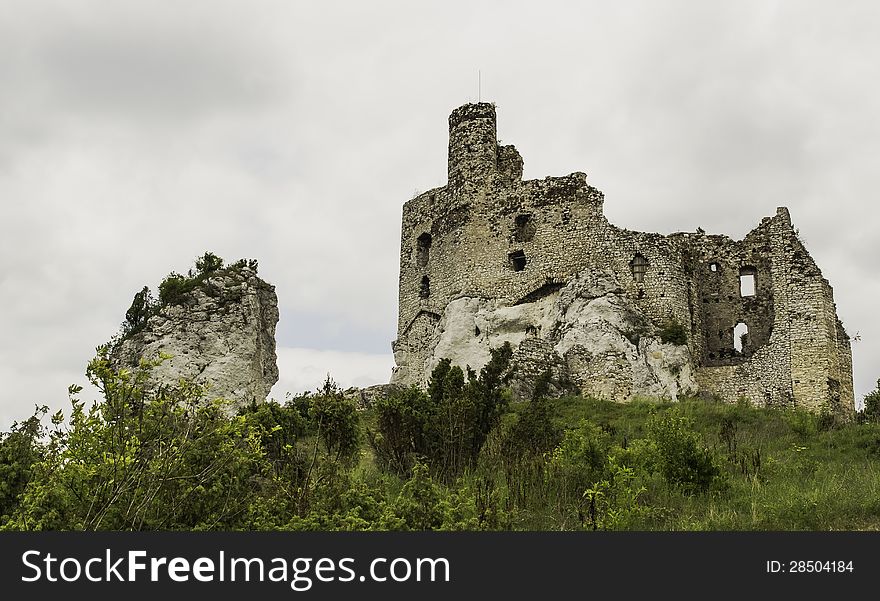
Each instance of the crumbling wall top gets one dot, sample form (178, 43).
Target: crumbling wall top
(468, 112)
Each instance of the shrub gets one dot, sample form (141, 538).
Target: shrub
(142, 308)
(336, 421)
(448, 427)
(208, 263)
(684, 460)
(173, 288)
(871, 411)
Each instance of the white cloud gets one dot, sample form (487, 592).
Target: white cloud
(304, 370)
(135, 135)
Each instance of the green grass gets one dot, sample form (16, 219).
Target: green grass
(781, 471)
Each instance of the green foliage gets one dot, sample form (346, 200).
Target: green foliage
(673, 332)
(145, 459)
(280, 428)
(448, 427)
(174, 288)
(336, 421)
(871, 412)
(579, 462)
(684, 458)
(613, 502)
(20, 449)
(140, 460)
(143, 306)
(208, 263)
(403, 424)
(533, 433)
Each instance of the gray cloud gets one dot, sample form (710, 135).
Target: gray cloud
(134, 136)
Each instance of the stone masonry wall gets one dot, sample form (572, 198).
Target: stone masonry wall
(490, 235)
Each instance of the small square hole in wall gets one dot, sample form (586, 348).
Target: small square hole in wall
(713, 267)
(517, 260)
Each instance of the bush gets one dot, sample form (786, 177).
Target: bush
(871, 411)
(684, 460)
(336, 421)
(142, 308)
(402, 421)
(208, 263)
(448, 427)
(20, 449)
(533, 433)
(173, 289)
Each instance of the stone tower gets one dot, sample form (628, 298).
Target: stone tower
(491, 258)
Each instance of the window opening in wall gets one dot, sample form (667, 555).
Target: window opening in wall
(639, 266)
(740, 337)
(747, 281)
(525, 228)
(425, 287)
(713, 266)
(517, 260)
(423, 249)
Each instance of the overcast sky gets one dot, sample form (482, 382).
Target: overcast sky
(135, 135)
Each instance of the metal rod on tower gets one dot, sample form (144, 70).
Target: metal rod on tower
(479, 86)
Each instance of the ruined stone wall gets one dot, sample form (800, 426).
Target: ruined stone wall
(490, 235)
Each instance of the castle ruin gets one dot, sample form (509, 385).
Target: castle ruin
(491, 258)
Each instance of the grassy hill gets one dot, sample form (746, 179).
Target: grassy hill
(457, 456)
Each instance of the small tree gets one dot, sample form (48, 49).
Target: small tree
(684, 458)
(172, 289)
(336, 420)
(208, 263)
(871, 411)
(142, 307)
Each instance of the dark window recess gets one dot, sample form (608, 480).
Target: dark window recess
(639, 266)
(747, 281)
(425, 287)
(566, 216)
(423, 249)
(740, 337)
(476, 330)
(525, 228)
(517, 260)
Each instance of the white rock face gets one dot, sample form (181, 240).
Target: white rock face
(222, 336)
(601, 344)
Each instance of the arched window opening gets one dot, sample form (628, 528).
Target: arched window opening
(639, 266)
(425, 287)
(517, 260)
(747, 281)
(423, 249)
(740, 337)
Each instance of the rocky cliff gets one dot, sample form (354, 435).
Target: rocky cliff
(592, 339)
(218, 328)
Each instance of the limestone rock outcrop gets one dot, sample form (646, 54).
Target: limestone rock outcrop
(587, 333)
(220, 334)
